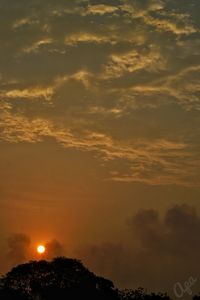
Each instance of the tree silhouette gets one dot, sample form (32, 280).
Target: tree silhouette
(141, 294)
(61, 278)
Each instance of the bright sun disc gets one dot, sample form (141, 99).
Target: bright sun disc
(41, 249)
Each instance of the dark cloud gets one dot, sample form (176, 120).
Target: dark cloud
(18, 247)
(54, 249)
(176, 234)
(160, 252)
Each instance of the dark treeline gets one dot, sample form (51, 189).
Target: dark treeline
(64, 278)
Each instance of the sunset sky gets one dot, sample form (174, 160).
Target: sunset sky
(100, 136)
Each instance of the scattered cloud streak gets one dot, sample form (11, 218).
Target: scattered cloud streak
(90, 71)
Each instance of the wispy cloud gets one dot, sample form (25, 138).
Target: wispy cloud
(38, 44)
(97, 77)
(86, 37)
(30, 93)
(134, 60)
(102, 9)
(155, 161)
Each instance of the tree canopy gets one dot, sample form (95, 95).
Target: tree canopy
(63, 278)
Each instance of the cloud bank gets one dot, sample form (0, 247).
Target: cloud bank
(160, 251)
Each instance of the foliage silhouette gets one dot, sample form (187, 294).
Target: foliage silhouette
(141, 294)
(63, 278)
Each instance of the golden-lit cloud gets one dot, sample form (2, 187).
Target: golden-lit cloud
(177, 23)
(156, 162)
(84, 37)
(170, 25)
(98, 78)
(35, 46)
(102, 9)
(22, 22)
(132, 61)
(30, 93)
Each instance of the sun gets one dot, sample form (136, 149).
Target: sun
(41, 249)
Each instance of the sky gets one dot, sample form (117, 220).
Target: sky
(100, 138)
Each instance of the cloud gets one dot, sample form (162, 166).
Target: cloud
(27, 21)
(181, 88)
(45, 93)
(18, 246)
(176, 234)
(19, 249)
(30, 93)
(139, 9)
(170, 25)
(102, 9)
(155, 14)
(134, 61)
(160, 251)
(38, 44)
(154, 162)
(54, 249)
(16, 128)
(96, 77)
(87, 37)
